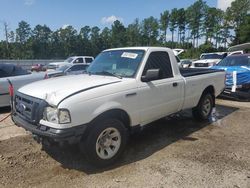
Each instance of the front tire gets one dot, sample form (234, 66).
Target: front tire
(204, 108)
(104, 142)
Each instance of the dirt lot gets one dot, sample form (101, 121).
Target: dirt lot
(176, 152)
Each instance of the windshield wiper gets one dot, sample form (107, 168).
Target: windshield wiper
(108, 74)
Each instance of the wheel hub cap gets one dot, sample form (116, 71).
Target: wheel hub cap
(108, 143)
(206, 107)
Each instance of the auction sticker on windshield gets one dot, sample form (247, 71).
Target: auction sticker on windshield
(129, 55)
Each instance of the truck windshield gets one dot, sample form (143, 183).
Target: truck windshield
(63, 68)
(122, 63)
(70, 59)
(213, 56)
(235, 61)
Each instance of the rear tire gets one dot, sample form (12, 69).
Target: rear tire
(105, 141)
(204, 108)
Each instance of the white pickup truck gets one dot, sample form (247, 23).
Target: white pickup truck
(70, 60)
(207, 60)
(123, 90)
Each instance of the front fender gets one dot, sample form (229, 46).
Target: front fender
(110, 105)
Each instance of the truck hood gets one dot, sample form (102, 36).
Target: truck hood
(56, 89)
(207, 61)
(50, 73)
(58, 63)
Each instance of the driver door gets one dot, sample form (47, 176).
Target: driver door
(160, 97)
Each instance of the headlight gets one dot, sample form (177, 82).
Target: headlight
(211, 64)
(51, 114)
(64, 116)
(55, 115)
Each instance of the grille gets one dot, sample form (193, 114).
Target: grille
(28, 108)
(201, 64)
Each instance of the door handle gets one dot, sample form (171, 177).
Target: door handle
(175, 84)
(131, 94)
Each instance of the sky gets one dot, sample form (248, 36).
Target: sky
(79, 13)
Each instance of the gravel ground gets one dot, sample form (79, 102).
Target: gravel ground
(175, 152)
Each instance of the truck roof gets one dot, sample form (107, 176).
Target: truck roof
(239, 47)
(82, 56)
(247, 54)
(219, 53)
(139, 48)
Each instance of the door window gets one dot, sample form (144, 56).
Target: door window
(159, 60)
(17, 71)
(88, 60)
(79, 60)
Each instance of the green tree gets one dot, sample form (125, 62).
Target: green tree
(95, 41)
(237, 13)
(84, 44)
(41, 41)
(212, 26)
(164, 22)
(181, 24)
(195, 15)
(134, 34)
(68, 37)
(118, 34)
(150, 31)
(173, 22)
(64, 42)
(105, 38)
(244, 30)
(23, 47)
(57, 48)
(23, 32)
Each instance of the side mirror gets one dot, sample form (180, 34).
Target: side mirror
(69, 70)
(151, 74)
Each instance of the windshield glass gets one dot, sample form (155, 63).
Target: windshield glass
(69, 60)
(186, 62)
(213, 56)
(63, 68)
(123, 63)
(235, 61)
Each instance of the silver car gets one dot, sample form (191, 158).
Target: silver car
(68, 69)
(18, 77)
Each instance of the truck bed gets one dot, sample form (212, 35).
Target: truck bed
(187, 72)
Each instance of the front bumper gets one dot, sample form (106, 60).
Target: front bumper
(68, 135)
(238, 94)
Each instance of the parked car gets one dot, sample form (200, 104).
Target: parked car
(38, 67)
(124, 90)
(71, 60)
(68, 69)
(177, 52)
(237, 69)
(18, 77)
(207, 60)
(186, 63)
